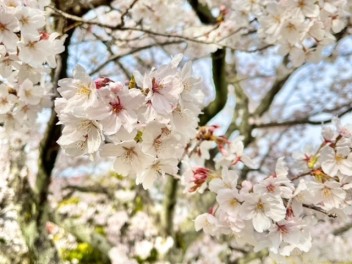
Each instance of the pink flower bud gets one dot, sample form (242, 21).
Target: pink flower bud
(200, 175)
(222, 141)
(44, 35)
(212, 128)
(101, 82)
(212, 210)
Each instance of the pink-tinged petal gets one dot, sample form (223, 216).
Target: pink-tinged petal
(111, 125)
(129, 119)
(261, 222)
(161, 104)
(330, 167)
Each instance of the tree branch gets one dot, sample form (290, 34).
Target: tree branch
(119, 56)
(269, 97)
(170, 201)
(91, 189)
(122, 23)
(220, 82)
(318, 209)
(303, 121)
(203, 12)
(219, 66)
(120, 27)
(343, 229)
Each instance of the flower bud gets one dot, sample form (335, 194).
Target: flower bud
(101, 82)
(200, 175)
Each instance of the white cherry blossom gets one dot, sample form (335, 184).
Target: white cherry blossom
(80, 91)
(8, 27)
(262, 210)
(29, 93)
(334, 161)
(128, 157)
(207, 222)
(228, 180)
(7, 100)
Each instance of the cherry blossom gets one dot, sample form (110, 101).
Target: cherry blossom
(207, 222)
(8, 27)
(336, 161)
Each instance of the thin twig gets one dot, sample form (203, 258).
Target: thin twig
(119, 56)
(316, 208)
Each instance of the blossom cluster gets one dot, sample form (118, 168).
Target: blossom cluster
(303, 28)
(277, 212)
(145, 124)
(26, 51)
(300, 28)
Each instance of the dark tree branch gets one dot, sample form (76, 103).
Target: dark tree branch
(169, 205)
(303, 121)
(218, 64)
(220, 82)
(79, 8)
(203, 12)
(343, 229)
(270, 96)
(318, 209)
(91, 189)
(128, 9)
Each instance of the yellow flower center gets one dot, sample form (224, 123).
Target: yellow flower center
(84, 90)
(327, 192)
(234, 203)
(260, 206)
(339, 159)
